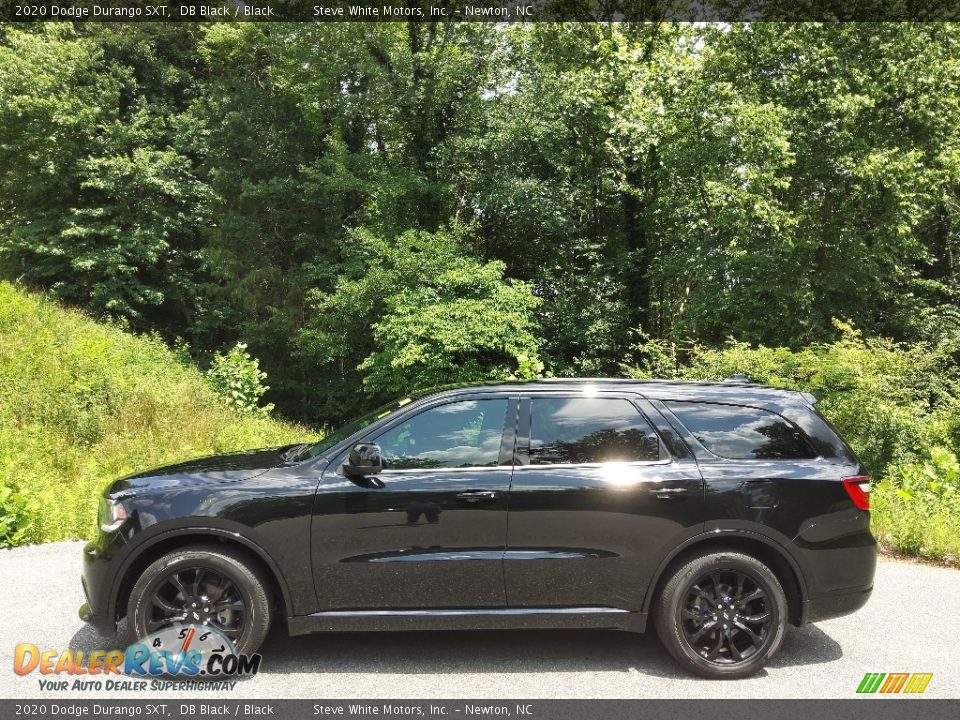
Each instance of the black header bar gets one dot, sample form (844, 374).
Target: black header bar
(480, 10)
(206, 706)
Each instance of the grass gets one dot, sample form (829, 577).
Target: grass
(83, 402)
(916, 509)
(902, 529)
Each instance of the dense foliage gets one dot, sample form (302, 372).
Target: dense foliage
(370, 208)
(82, 403)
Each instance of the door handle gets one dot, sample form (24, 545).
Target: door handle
(475, 496)
(670, 493)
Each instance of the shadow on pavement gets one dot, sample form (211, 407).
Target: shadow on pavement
(507, 651)
(88, 638)
(486, 651)
(807, 645)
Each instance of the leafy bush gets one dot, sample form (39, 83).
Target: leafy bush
(14, 518)
(237, 377)
(82, 403)
(917, 507)
(891, 401)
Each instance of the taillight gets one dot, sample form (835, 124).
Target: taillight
(858, 488)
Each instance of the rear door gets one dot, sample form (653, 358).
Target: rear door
(602, 490)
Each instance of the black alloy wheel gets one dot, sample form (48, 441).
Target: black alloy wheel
(204, 585)
(722, 614)
(726, 617)
(198, 596)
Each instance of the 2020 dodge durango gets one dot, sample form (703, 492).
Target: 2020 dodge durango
(717, 512)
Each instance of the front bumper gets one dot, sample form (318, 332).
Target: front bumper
(101, 564)
(103, 624)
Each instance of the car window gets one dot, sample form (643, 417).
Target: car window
(589, 430)
(742, 433)
(456, 435)
(345, 431)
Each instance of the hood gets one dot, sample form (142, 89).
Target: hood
(212, 469)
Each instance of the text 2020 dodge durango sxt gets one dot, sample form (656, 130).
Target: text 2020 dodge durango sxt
(719, 512)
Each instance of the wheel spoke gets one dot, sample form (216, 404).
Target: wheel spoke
(197, 579)
(715, 578)
(755, 595)
(164, 604)
(702, 630)
(153, 624)
(174, 579)
(220, 588)
(759, 618)
(740, 578)
(700, 593)
(715, 650)
(734, 650)
(754, 638)
(230, 605)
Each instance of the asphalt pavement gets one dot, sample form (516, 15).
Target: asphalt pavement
(911, 625)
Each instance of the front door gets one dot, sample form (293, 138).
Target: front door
(598, 498)
(430, 530)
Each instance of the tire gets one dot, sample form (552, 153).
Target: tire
(712, 630)
(247, 583)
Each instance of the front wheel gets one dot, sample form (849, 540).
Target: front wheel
(722, 615)
(203, 586)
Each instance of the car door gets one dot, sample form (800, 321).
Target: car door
(602, 491)
(430, 530)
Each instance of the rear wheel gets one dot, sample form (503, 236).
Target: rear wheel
(722, 615)
(205, 586)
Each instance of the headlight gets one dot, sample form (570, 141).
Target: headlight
(111, 515)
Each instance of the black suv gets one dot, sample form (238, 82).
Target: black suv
(719, 511)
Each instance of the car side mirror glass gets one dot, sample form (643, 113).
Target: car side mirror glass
(364, 459)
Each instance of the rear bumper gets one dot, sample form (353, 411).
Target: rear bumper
(835, 604)
(838, 558)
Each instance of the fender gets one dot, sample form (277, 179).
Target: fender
(716, 534)
(209, 531)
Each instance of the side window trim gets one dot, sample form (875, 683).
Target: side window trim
(505, 430)
(696, 447)
(525, 422)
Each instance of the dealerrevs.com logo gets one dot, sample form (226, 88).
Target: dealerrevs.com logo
(187, 657)
(891, 683)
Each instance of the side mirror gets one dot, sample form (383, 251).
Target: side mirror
(365, 459)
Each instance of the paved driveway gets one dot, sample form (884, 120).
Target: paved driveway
(910, 625)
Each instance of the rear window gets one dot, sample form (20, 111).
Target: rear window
(738, 432)
(589, 430)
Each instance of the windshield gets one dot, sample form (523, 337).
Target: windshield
(342, 433)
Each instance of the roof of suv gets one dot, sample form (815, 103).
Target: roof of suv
(726, 390)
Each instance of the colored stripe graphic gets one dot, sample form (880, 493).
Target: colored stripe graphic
(918, 682)
(870, 682)
(893, 683)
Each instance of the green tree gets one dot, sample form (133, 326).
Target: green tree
(100, 203)
(417, 312)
